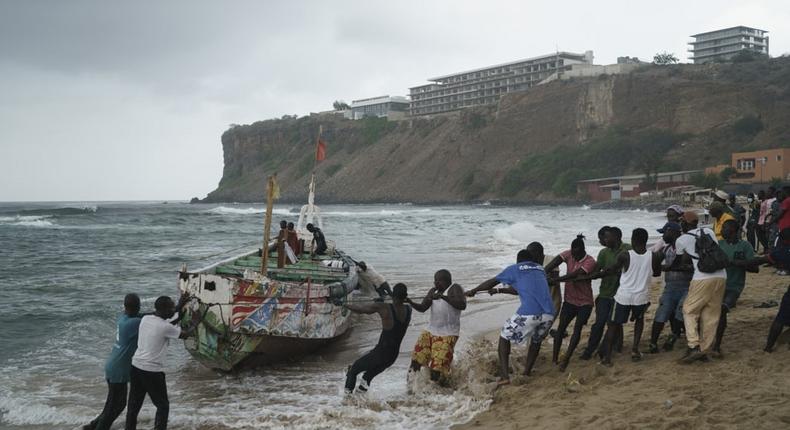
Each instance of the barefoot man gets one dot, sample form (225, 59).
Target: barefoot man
(395, 320)
(534, 317)
(434, 347)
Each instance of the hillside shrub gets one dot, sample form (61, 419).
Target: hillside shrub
(331, 170)
(748, 126)
(614, 153)
(710, 180)
(473, 120)
(374, 128)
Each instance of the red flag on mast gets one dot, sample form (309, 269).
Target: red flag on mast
(320, 150)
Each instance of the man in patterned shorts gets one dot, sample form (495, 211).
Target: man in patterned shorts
(534, 317)
(434, 348)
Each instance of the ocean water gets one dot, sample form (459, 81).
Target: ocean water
(65, 267)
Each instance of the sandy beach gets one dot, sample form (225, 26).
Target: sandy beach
(747, 388)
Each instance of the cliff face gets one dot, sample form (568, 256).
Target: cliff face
(702, 112)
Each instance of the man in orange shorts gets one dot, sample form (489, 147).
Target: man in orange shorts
(434, 348)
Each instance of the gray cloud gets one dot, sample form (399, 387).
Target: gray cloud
(109, 100)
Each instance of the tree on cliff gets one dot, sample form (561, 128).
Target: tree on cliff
(664, 58)
(340, 105)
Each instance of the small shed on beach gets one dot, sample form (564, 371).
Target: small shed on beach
(631, 186)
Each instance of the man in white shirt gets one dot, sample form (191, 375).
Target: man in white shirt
(702, 306)
(147, 375)
(371, 279)
(434, 347)
(633, 295)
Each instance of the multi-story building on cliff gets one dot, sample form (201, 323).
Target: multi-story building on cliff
(486, 85)
(722, 45)
(391, 107)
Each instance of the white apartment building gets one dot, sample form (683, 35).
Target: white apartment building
(392, 107)
(722, 45)
(486, 85)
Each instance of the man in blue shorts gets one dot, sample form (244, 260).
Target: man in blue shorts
(677, 277)
(534, 317)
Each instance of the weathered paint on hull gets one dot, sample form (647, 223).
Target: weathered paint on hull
(245, 323)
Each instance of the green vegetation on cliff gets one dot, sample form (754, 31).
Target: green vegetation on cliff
(615, 152)
(534, 145)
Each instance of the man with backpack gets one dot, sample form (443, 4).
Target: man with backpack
(702, 307)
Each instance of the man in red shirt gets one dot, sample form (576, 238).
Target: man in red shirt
(578, 301)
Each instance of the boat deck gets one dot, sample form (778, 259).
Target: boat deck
(305, 268)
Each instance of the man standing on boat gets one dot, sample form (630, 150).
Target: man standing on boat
(119, 363)
(395, 320)
(292, 239)
(147, 374)
(281, 237)
(534, 317)
(319, 241)
(434, 348)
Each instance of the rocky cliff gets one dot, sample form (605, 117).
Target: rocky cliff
(533, 146)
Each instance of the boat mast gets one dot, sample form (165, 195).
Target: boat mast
(267, 225)
(310, 210)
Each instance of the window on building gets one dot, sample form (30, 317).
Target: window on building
(778, 158)
(745, 164)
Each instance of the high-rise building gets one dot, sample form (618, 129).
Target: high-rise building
(486, 85)
(722, 45)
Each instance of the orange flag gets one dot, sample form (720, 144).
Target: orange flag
(320, 150)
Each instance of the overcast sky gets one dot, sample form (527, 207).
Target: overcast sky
(127, 100)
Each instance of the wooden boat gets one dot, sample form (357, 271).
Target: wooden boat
(248, 316)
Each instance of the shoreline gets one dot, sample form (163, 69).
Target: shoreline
(748, 387)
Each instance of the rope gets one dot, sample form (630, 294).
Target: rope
(251, 244)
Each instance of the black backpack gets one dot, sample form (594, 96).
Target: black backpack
(711, 257)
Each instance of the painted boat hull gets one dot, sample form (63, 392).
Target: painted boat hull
(250, 322)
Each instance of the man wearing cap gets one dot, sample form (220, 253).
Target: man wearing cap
(702, 307)
(719, 213)
(677, 277)
(721, 196)
(673, 215)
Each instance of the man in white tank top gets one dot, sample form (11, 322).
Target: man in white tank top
(434, 347)
(633, 295)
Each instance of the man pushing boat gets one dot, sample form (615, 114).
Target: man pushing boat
(395, 318)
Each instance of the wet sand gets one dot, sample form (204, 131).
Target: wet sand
(746, 388)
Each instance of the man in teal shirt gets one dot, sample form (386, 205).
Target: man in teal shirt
(119, 363)
(740, 254)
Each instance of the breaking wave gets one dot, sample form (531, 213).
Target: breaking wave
(224, 210)
(82, 210)
(382, 212)
(519, 233)
(27, 220)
